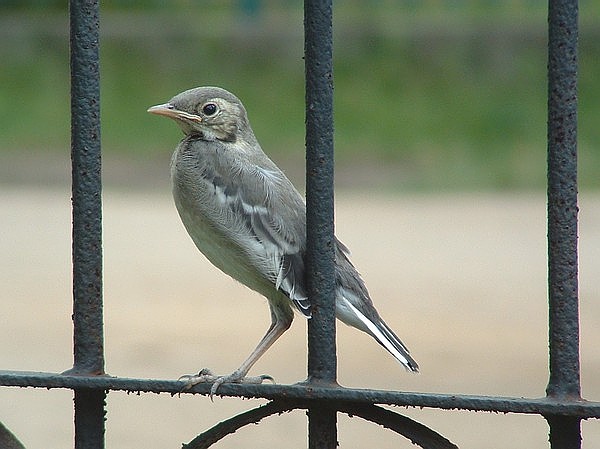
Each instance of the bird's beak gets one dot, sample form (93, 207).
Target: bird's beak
(168, 110)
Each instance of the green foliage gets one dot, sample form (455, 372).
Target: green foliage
(456, 103)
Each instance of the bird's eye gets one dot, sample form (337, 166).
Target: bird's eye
(209, 108)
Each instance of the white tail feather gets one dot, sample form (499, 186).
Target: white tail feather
(384, 340)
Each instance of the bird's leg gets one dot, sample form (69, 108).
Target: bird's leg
(281, 319)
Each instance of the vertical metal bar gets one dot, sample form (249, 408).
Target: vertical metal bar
(86, 189)
(319, 189)
(89, 419)
(320, 257)
(564, 378)
(322, 427)
(562, 200)
(565, 432)
(88, 340)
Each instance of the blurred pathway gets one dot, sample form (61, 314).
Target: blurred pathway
(462, 278)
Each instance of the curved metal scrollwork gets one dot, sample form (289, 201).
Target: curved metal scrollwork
(416, 432)
(8, 440)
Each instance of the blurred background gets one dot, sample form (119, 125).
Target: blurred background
(438, 94)
(440, 133)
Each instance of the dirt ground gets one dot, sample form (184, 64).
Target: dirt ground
(461, 278)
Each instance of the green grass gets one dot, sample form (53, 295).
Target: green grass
(458, 105)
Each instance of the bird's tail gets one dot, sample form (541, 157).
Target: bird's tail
(394, 345)
(385, 337)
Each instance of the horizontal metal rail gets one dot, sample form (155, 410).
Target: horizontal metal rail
(542, 406)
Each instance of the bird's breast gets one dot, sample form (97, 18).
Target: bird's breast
(217, 232)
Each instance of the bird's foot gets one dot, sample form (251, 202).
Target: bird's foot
(206, 376)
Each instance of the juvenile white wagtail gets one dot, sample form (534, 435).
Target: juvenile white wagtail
(247, 218)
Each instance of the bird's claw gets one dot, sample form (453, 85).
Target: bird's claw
(206, 376)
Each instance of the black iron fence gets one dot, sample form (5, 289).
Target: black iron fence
(563, 407)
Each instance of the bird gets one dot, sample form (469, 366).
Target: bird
(248, 220)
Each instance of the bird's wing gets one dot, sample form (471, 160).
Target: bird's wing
(272, 213)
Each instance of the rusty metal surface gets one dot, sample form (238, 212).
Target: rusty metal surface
(564, 381)
(320, 240)
(544, 406)
(88, 326)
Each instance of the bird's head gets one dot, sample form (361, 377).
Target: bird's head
(211, 113)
